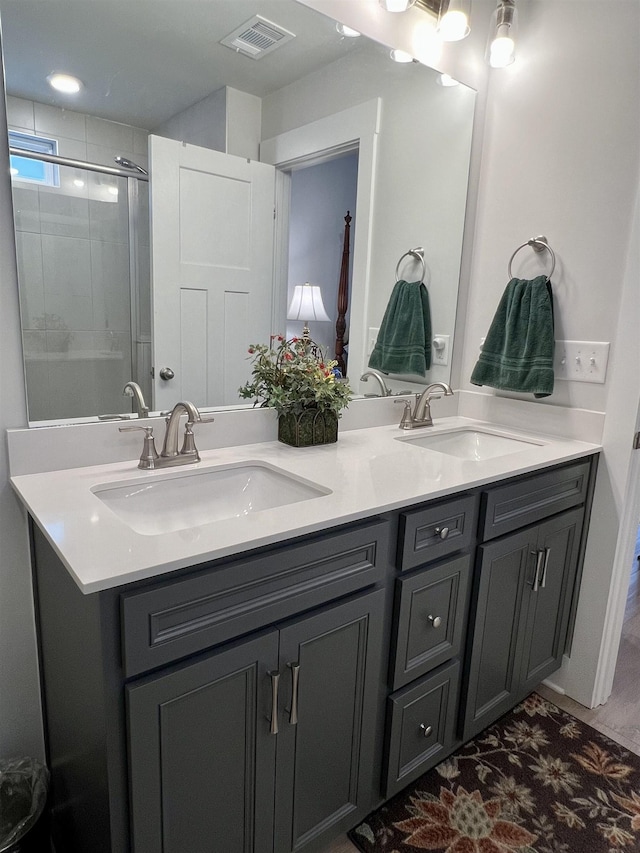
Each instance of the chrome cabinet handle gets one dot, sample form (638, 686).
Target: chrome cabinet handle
(539, 555)
(295, 675)
(426, 730)
(547, 553)
(275, 683)
(436, 621)
(442, 532)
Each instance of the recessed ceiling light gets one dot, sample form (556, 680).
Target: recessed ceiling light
(64, 83)
(346, 31)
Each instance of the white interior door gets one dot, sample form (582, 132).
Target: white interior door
(212, 227)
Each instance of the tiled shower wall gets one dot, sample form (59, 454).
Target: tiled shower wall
(73, 266)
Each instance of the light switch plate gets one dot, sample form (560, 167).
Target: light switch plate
(581, 361)
(372, 337)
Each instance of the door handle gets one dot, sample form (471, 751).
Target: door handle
(275, 683)
(295, 675)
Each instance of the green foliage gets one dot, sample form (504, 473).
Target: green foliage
(291, 376)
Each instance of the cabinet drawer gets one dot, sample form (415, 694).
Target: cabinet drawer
(430, 617)
(420, 727)
(533, 498)
(436, 531)
(170, 621)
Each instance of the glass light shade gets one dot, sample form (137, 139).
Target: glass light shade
(501, 49)
(448, 80)
(306, 304)
(347, 32)
(453, 25)
(396, 5)
(400, 55)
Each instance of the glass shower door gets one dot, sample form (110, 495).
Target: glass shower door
(82, 281)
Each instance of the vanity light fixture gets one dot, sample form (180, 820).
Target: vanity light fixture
(65, 83)
(453, 20)
(306, 305)
(396, 5)
(347, 32)
(501, 49)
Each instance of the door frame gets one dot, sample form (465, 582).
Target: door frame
(310, 144)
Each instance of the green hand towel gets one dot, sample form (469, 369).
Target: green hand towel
(404, 339)
(518, 351)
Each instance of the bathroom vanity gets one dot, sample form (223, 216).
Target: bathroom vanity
(261, 683)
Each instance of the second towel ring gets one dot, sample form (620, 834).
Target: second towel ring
(538, 244)
(418, 254)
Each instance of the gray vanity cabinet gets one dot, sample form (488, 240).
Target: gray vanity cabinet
(208, 760)
(524, 586)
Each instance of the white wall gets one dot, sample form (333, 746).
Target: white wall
(561, 158)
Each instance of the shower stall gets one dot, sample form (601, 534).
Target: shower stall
(82, 239)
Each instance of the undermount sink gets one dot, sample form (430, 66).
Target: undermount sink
(474, 444)
(188, 499)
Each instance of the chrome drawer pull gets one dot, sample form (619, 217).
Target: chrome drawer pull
(426, 730)
(436, 621)
(442, 532)
(295, 675)
(535, 584)
(547, 553)
(275, 682)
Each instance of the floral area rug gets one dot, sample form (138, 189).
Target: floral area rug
(538, 781)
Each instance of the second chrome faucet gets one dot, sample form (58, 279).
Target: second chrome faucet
(170, 455)
(421, 415)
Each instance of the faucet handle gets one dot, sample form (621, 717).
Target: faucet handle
(407, 418)
(189, 444)
(149, 453)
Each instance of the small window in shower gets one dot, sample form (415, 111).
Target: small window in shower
(30, 170)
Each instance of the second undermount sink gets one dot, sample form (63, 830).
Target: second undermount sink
(189, 499)
(472, 443)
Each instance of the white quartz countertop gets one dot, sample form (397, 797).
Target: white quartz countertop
(367, 471)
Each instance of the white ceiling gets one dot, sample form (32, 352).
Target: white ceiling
(143, 61)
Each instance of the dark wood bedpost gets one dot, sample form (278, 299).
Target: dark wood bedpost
(343, 298)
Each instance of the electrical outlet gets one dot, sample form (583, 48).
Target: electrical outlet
(440, 349)
(372, 337)
(581, 361)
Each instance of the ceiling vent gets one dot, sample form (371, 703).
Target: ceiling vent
(257, 37)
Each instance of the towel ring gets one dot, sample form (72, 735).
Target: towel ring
(418, 254)
(538, 244)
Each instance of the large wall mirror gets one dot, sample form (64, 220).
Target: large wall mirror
(165, 212)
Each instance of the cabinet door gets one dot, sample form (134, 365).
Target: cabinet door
(506, 566)
(202, 759)
(549, 603)
(326, 743)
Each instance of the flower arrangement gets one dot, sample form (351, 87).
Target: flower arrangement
(292, 377)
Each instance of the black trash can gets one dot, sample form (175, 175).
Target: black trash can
(24, 786)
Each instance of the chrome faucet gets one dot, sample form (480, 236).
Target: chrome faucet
(132, 389)
(385, 390)
(421, 416)
(170, 455)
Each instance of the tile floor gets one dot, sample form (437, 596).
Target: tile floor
(619, 719)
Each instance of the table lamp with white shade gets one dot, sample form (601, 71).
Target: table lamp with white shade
(306, 305)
